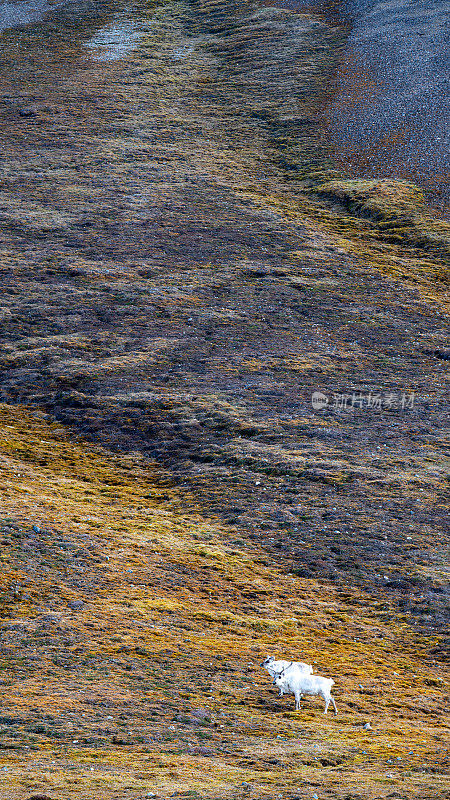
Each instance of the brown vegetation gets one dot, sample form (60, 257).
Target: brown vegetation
(154, 684)
(182, 267)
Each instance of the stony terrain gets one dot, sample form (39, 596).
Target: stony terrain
(183, 267)
(389, 115)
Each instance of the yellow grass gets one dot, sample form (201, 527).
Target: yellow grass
(172, 633)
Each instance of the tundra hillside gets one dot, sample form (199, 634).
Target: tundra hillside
(182, 268)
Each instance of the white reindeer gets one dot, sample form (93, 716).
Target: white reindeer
(299, 683)
(275, 667)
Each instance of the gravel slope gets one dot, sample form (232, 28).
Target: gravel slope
(390, 114)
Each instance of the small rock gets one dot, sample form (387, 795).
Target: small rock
(360, 686)
(39, 797)
(76, 605)
(367, 726)
(27, 112)
(36, 528)
(119, 740)
(50, 618)
(199, 713)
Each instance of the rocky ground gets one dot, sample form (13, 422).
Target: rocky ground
(183, 267)
(389, 115)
